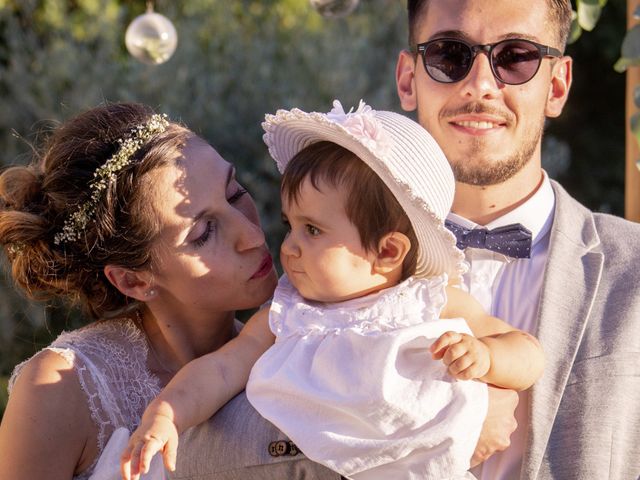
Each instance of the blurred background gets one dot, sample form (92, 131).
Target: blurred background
(237, 60)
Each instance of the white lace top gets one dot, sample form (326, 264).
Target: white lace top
(110, 358)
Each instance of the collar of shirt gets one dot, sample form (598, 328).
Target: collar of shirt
(515, 299)
(536, 213)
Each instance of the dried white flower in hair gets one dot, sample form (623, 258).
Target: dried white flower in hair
(106, 174)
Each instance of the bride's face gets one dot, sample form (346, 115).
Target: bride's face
(211, 255)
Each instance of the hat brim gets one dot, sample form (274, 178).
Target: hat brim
(289, 132)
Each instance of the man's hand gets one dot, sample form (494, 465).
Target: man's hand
(498, 425)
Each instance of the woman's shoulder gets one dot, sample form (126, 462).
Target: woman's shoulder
(54, 370)
(104, 365)
(108, 359)
(46, 367)
(47, 402)
(99, 342)
(48, 380)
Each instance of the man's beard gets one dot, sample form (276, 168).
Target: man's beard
(475, 166)
(483, 172)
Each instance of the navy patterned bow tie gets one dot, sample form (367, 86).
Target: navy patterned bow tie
(511, 240)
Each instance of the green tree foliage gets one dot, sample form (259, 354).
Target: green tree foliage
(591, 130)
(236, 60)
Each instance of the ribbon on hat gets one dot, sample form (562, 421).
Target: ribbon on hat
(511, 240)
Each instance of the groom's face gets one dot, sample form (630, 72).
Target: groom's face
(488, 130)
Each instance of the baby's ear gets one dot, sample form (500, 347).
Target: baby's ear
(392, 250)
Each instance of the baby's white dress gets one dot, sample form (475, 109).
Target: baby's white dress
(353, 384)
(110, 359)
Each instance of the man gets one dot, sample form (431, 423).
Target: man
(483, 90)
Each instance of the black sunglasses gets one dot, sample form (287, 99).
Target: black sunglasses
(513, 61)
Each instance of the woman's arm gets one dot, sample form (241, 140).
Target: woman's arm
(196, 392)
(46, 431)
(498, 354)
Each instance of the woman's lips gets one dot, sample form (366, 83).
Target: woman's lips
(265, 267)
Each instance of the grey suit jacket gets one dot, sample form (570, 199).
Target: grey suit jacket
(585, 410)
(238, 444)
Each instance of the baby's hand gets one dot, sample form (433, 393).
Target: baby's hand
(156, 433)
(465, 356)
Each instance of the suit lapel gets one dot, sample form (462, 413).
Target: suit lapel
(572, 275)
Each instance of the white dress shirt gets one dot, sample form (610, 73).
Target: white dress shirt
(510, 288)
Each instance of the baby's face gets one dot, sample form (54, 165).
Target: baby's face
(322, 253)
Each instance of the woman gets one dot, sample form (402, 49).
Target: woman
(145, 225)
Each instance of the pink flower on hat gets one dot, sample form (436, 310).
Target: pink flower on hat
(363, 125)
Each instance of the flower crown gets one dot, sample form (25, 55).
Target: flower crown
(106, 174)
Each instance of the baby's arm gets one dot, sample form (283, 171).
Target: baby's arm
(498, 354)
(195, 393)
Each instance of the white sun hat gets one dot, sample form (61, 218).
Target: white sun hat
(400, 152)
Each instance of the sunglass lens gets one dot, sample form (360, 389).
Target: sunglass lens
(515, 61)
(447, 61)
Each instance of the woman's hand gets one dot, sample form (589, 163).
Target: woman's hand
(157, 432)
(465, 356)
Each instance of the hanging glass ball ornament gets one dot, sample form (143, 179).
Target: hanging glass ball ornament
(334, 8)
(151, 38)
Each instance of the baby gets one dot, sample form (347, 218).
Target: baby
(340, 360)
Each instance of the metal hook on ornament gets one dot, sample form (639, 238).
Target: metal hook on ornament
(334, 8)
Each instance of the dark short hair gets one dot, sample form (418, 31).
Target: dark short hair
(370, 205)
(559, 14)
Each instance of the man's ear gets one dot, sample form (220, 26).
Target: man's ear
(561, 77)
(392, 250)
(405, 80)
(137, 285)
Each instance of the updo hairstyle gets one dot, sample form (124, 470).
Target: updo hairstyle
(36, 200)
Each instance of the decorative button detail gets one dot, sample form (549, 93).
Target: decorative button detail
(280, 448)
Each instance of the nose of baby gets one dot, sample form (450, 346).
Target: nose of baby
(290, 247)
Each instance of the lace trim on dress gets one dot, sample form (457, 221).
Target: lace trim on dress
(409, 303)
(110, 358)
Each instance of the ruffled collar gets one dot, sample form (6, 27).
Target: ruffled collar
(411, 302)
